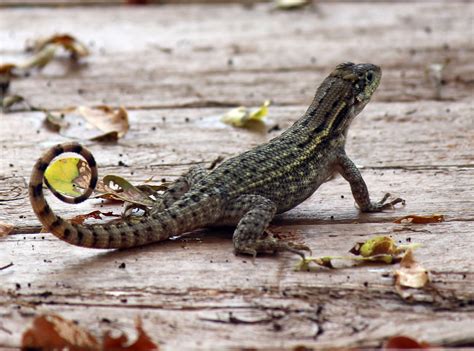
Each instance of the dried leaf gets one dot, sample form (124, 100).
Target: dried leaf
(79, 219)
(54, 332)
(118, 188)
(410, 274)
(62, 173)
(435, 218)
(291, 4)
(106, 119)
(66, 41)
(41, 59)
(378, 249)
(241, 117)
(5, 229)
(54, 122)
(10, 100)
(401, 342)
(99, 124)
(143, 342)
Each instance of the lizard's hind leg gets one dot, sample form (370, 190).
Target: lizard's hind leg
(180, 187)
(253, 213)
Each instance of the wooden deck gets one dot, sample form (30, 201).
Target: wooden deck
(177, 68)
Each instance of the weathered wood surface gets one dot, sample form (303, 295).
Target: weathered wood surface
(189, 64)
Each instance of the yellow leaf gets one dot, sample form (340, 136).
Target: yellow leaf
(61, 174)
(378, 246)
(241, 116)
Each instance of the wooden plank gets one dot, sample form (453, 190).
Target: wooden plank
(283, 59)
(189, 64)
(251, 304)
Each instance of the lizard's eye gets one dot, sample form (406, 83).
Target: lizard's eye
(370, 76)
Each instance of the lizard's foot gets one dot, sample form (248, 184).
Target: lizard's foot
(383, 205)
(272, 246)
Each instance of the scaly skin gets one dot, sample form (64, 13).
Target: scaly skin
(246, 190)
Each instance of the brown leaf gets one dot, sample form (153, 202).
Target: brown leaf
(5, 229)
(101, 123)
(435, 218)
(54, 332)
(401, 342)
(79, 219)
(106, 119)
(143, 342)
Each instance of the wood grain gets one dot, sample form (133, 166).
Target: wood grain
(177, 69)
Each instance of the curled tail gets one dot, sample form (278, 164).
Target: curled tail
(117, 235)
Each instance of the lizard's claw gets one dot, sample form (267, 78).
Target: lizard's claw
(383, 205)
(272, 245)
(293, 247)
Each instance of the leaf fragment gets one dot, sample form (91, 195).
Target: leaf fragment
(143, 342)
(291, 4)
(242, 117)
(41, 59)
(5, 228)
(61, 174)
(79, 219)
(10, 100)
(416, 219)
(410, 274)
(401, 342)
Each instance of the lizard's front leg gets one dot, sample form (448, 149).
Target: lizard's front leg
(253, 213)
(349, 171)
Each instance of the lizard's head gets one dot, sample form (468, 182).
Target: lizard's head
(364, 79)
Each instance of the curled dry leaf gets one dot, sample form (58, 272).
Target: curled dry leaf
(242, 117)
(101, 123)
(401, 342)
(410, 274)
(117, 188)
(5, 228)
(52, 332)
(435, 218)
(66, 41)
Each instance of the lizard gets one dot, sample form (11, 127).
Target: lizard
(245, 191)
